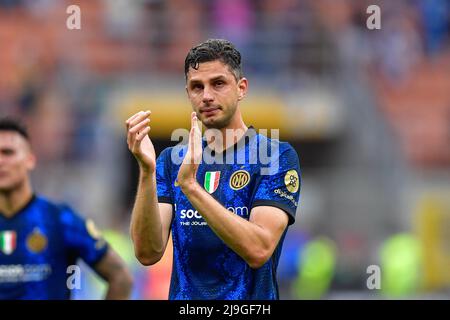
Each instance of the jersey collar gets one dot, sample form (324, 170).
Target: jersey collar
(15, 214)
(248, 135)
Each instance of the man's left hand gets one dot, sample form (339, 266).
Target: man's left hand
(188, 169)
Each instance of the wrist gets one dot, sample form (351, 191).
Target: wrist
(188, 186)
(147, 172)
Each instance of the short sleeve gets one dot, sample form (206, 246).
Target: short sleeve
(281, 188)
(163, 181)
(82, 238)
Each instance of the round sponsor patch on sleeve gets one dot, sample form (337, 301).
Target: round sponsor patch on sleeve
(292, 181)
(92, 229)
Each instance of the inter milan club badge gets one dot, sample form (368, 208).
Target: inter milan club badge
(239, 179)
(291, 181)
(212, 181)
(8, 241)
(36, 241)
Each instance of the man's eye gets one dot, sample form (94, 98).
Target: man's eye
(219, 83)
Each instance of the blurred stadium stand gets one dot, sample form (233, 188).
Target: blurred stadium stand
(368, 112)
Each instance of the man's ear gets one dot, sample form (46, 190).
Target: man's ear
(242, 88)
(31, 161)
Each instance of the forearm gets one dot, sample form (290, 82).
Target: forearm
(146, 227)
(114, 271)
(119, 288)
(247, 239)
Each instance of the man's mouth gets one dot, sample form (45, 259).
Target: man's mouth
(209, 111)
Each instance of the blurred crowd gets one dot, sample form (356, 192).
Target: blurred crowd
(56, 76)
(58, 81)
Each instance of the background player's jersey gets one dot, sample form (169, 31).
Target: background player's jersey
(204, 267)
(38, 244)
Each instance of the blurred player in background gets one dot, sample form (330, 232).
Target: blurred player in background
(228, 220)
(40, 241)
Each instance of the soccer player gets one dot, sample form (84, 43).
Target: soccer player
(228, 218)
(40, 241)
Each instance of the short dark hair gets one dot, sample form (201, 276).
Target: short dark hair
(215, 49)
(10, 124)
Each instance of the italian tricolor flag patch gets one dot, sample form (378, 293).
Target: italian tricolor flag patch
(7, 241)
(212, 181)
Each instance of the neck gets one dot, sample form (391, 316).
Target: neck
(13, 201)
(230, 134)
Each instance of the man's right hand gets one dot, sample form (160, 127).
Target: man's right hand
(139, 142)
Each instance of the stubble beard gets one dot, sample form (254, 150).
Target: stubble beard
(221, 122)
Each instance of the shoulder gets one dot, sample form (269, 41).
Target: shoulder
(282, 145)
(172, 156)
(163, 160)
(166, 152)
(58, 211)
(288, 151)
(280, 149)
(50, 206)
(171, 152)
(67, 215)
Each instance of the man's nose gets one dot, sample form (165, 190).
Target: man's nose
(207, 94)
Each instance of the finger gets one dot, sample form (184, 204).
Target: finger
(194, 126)
(127, 122)
(134, 116)
(142, 134)
(130, 139)
(139, 118)
(131, 133)
(197, 129)
(196, 142)
(191, 140)
(138, 137)
(139, 126)
(194, 120)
